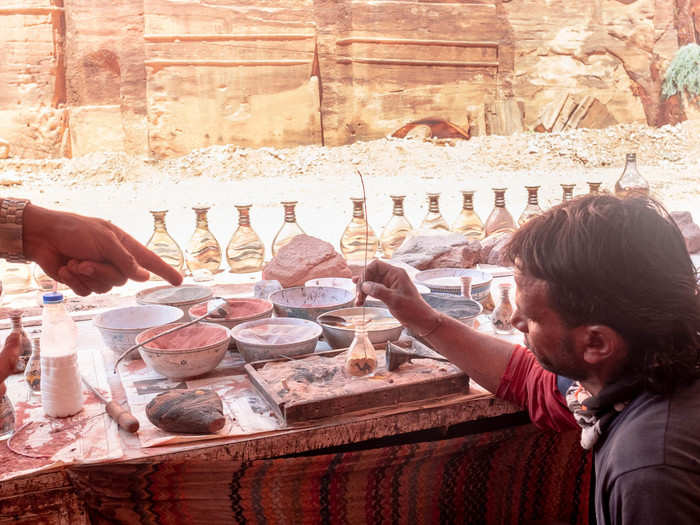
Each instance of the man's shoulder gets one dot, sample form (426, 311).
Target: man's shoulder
(654, 431)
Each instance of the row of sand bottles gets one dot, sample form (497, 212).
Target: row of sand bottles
(245, 251)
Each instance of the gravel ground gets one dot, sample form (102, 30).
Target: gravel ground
(122, 188)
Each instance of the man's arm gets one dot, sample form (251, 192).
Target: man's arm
(482, 356)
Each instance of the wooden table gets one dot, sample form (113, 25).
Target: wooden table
(49, 494)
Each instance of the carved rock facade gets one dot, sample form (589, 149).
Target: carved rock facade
(162, 77)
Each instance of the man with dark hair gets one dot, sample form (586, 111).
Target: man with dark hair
(608, 300)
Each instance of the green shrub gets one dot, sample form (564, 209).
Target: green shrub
(684, 72)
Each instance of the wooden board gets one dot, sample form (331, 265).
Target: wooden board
(379, 396)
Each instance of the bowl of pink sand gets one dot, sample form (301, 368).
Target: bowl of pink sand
(189, 352)
(238, 310)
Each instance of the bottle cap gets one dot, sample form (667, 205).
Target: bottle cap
(53, 297)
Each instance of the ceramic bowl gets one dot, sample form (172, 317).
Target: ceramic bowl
(341, 337)
(308, 302)
(334, 282)
(272, 338)
(182, 297)
(376, 303)
(238, 310)
(120, 326)
(189, 352)
(457, 307)
(447, 280)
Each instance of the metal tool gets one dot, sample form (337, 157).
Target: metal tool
(215, 308)
(123, 417)
(396, 356)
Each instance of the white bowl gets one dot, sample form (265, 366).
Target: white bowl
(183, 297)
(120, 326)
(447, 280)
(176, 358)
(341, 337)
(257, 350)
(334, 282)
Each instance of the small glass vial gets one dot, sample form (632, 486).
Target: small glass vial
(245, 252)
(501, 315)
(433, 219)
(567, 192)
(289, 228)
(594, 187)
(466, 285)
(631, 183)
(533, 206)
(203, 253)
(32, 372)
(16, 277)
(500, 220)
(7, 417)
(468, 223)
(358, 243)
(361, 360)
(396, 230)
(163, 245)
(17, 342)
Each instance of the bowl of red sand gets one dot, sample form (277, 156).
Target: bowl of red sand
(189, 352)
(237, 311)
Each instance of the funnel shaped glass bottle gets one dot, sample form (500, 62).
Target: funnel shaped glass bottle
(433, 219)
(567, 192)
(396, 230)
(631, 183)
(468, 222)
(203, 253)
(163, 245)
(361, 359)
(289, 229)
(500, 220)
(245, 251)
(358, 237)
(532, 209)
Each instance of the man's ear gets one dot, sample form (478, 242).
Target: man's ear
(598, 343)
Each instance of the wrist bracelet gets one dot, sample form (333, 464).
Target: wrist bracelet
(11, 229)
(438, 324)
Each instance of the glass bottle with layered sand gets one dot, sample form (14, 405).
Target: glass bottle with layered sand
(468, 223)
(203, 253)
(396, 230)
(245, 251)
(631, 183)
(532, 209)
(567, 192)
(16, 277)
(500, 220)
(163, 245)
(358, 236)
(289, 228)
(433, 219)
(594, 187)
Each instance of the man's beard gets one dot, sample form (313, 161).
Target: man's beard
(565, 357)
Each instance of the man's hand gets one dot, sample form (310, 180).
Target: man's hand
(394, 287)
(88, 254)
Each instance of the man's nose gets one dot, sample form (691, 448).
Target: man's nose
(518, 321)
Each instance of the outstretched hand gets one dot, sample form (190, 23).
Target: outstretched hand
(86, 253)
(394, 287)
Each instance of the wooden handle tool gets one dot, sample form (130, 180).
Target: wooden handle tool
(123, 417)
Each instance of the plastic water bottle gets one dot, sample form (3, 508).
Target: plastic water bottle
(61, 387)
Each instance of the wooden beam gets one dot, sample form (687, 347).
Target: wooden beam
(162, 63)
(414, 42)
(406, 62)
(228, 37)
(26, 10)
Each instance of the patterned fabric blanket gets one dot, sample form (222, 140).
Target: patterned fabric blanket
(512, 476)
